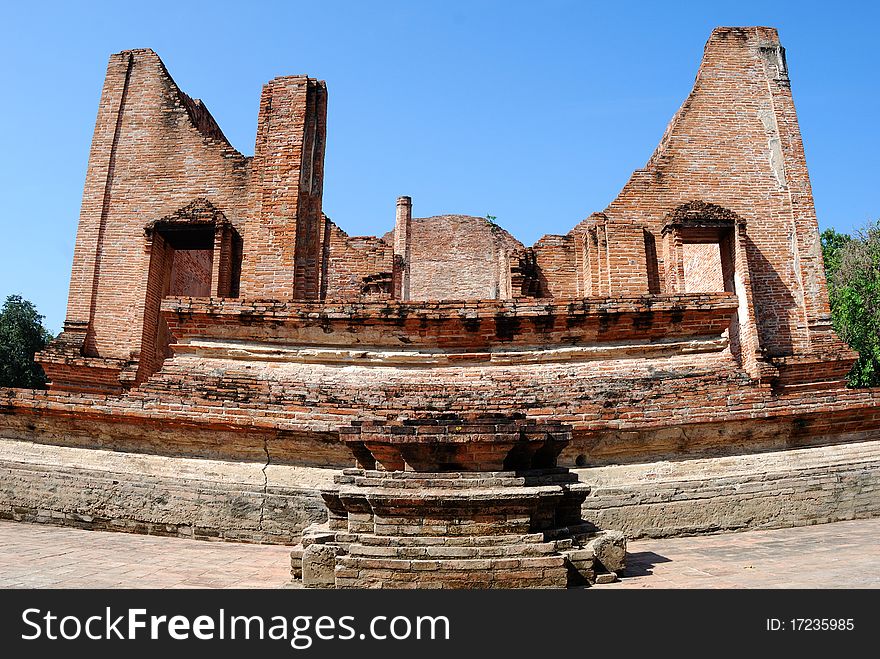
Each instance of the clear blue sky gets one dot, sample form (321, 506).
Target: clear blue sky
(535, 112)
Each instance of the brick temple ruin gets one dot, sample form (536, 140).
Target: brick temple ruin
(442, 406)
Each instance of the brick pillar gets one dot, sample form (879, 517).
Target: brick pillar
(221, 264)
(283, 247)
(627, 263)
(674, 260)
(403, 245)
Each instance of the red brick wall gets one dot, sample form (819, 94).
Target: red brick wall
(735, 142)
(557, 258)
(458, 257)
(154, 151)
(353, 261)
(627, 260)
(452, 324)
(615, 258)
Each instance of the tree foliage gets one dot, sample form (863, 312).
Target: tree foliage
(852, 266)
(832, 246)
(21, 335)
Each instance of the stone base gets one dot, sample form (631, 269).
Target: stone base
(456, 530)
(118, 490)
(91, 488)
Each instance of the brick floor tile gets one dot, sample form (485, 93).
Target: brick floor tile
(838, 555)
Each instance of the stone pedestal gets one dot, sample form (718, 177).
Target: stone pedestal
(451, 502)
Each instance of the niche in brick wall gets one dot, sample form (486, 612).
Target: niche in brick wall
(195, 252)
(699, 247)
(192, 255)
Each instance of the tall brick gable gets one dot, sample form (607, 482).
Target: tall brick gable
(735, 144)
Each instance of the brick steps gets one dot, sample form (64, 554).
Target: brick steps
(461, 480)
(524, 572)
(449, 541)
(453, 552)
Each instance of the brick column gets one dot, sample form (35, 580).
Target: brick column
(403, 245)
(284, 238)
(221, 264)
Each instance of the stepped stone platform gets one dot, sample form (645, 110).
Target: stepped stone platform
(451, 502)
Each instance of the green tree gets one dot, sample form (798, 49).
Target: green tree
(853, 269)
(832, 246)
(21, 335)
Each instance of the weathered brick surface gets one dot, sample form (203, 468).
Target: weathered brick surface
(283, 239)
(735, 142)
(453, 324)
(733, 145)
(771, 490)
(245, 501)
(702, 268)
(356, 266)
(70, 487)
(732, 151)
(557, 259)
(191, 273)
(448, 501)
(457, 257)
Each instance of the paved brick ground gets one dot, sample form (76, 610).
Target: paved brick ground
(841, 555)
(37, 556)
